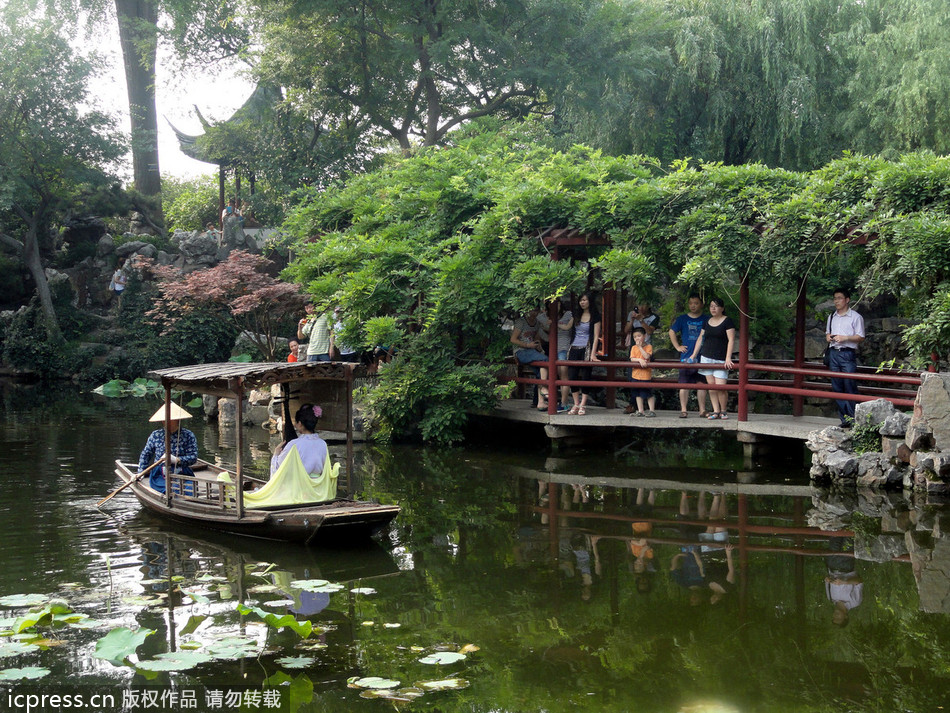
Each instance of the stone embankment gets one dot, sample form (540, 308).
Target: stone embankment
(914, 449)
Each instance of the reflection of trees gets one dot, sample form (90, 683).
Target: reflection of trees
(543, 648)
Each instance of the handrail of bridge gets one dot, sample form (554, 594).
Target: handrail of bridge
(742, 385)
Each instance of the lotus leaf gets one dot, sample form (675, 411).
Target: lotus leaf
(116, 646)
(174, 661)
(442, 657)
(142, 601)
(278, 603)
(262, 588)
(468, 649)
(23, 600)
(368, 623)
(392, 625)
(189, 645)
(363, 590)
(14, 648)
(70, 618)
(389, 694)
(193, 623)
(196, 597)
(302, 628)
(446, 684)
(18, 674)
(88, 624)
(374, 682)
(296, 661)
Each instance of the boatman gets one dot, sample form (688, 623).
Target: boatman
(184, 448)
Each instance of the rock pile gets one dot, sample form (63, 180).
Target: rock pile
(915, 449)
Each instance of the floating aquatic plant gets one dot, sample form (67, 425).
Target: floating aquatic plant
(446, 684)
(374, 682)
(296, 661)
(442, 658)
(363, 590)
(18, 674)
(116, 646)
(316, 585)
(175, 661)
(302, 628)
(24, 600)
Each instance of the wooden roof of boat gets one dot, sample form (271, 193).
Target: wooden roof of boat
(226, 376)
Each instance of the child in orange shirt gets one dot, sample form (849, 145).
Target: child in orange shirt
(642, 354)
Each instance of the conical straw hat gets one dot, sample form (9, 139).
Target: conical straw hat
(178, 413)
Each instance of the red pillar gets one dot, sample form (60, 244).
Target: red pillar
(743, 409)
(554, 398)
(609, 327)
(798, 402)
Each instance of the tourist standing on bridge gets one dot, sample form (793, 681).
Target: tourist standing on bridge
(714, 347)
(844, 331)
(688, 327)
(583, 348)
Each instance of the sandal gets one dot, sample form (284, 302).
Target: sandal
(704, 414)
(724, 416)
(581, 411)
(574, 411)
(542, 406)
(713, 416)
(683, 414)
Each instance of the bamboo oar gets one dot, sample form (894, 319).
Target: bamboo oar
(134, 479)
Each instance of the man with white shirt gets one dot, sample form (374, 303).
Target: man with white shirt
(844, 331)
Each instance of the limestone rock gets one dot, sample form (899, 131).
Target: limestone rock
(930, 560)
(131, 248)
(880, 548)
(210, 405)
(933, 398)
(895, 425)
(918, 436)
(874, 412)
(828, 438)
(197, 246)
(165, 258)
(148, 250)
(105, 246)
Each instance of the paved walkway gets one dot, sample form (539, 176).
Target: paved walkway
(597, 417)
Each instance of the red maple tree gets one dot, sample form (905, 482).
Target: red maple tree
(238, 290)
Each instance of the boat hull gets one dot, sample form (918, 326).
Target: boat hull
(336, 520)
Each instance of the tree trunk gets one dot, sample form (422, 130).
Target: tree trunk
(138, 35)
(31, 256)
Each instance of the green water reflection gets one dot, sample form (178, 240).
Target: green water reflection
(530, 558)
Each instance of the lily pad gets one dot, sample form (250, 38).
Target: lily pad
(175, 661)
(196, 597)
(310, 645)
(374, 682)
(18, 674)
(296, 661)
(88, 624)
(468, 648)
(391, 694)
(302, 628)
(278, 603)
(442, 658)
(23, 600)
(14, 648)
(193, 623)
(392, 625)
(363, 590)
(445, 684)
(368, 623)
(262, 588)
(116, 646)
(316, 585)
(142, 601)
(189, 645)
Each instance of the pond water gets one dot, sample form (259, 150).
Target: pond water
(663, 576)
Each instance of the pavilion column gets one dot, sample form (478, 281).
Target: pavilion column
(798, 402)
(609, 328)
(554, 397)
(743, 406)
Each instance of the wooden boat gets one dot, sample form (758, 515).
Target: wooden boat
(213, 498)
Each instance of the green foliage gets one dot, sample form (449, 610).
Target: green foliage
(865, 437)
(932, 334)
(539, 280)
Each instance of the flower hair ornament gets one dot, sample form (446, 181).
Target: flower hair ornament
(317, 411)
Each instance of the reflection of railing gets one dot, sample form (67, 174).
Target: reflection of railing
(797, 387)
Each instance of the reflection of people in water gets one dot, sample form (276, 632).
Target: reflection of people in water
(843, 587)
(691, 572)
